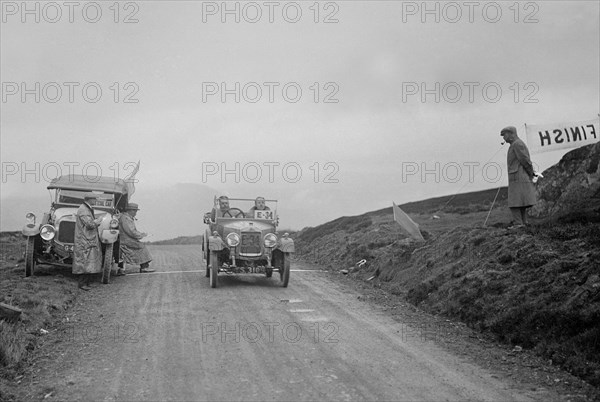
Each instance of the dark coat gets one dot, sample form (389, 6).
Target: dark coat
(134, 251)
(521, 190)
(87, 251)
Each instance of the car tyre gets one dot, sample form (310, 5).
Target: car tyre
(30, 256)
(207, 261)
(284, 271)
(214, 269)
(107, 265)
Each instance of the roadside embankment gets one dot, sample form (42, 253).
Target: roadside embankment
(537, 288)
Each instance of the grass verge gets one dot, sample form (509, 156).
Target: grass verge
(43, 299)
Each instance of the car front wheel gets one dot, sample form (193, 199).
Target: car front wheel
(106, 267)
(214, 269)
(30, 256)
(207, 261)
(284, 270)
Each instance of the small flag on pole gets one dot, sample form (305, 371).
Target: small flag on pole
(407, 224)
(131, 180)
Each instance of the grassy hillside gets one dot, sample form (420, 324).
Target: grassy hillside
(458, 203)
(538, 288)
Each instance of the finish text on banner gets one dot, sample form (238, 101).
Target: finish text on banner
(552, 137)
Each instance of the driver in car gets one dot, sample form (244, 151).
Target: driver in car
(223, 206)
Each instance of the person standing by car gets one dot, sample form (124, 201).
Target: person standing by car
(521, 191)
(134, 251)
(87, 250)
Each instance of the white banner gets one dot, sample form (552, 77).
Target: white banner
(551, 137)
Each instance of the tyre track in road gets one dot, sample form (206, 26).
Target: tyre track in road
(181, 340)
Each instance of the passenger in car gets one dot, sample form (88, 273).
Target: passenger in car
(259, 204)
(134, 251)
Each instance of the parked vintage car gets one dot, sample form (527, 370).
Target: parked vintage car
(50, 239)
(238, 242)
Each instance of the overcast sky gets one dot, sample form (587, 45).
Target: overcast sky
(354, 132)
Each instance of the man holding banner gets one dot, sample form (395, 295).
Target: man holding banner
(521, 191)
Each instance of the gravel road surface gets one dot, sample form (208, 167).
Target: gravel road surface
(169, 336)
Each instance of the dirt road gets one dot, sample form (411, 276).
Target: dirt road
(169, 336)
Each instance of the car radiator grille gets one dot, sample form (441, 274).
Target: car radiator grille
(250, 243)
(66, 232)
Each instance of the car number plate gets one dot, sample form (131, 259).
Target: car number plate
(258, 214)
(250, 243)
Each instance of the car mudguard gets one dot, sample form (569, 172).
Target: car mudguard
(215, 243)
(286, 245)
(109, 236)
(31, 229)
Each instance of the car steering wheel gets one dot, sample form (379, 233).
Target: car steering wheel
(239, 212)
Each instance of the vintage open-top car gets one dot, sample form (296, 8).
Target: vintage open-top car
(50, 240)
(245, 241)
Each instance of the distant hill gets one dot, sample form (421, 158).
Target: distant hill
(181, 240)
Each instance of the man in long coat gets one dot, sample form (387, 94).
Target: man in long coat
(134, 251)
(521, 190)
(87, 250)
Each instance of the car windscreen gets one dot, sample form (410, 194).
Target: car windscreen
(76, 198)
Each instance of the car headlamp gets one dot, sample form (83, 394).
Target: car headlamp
(30, 218)
(233, 239)
(114, 224)
(47, 232)
(270, 240)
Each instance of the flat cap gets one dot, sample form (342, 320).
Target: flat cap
(510, 129)
(132, 206)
